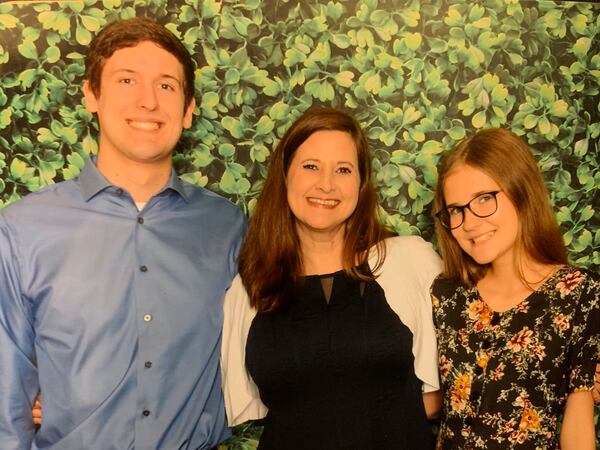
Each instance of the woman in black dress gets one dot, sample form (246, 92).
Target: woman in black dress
(328, 331)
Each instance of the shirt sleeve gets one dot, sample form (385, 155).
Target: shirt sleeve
(406, 276)
(584, 351)
(242, 399)
(18, 371)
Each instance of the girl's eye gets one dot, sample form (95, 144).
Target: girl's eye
(454, 211)
(126, 81)
(484, 198)
(166, 87)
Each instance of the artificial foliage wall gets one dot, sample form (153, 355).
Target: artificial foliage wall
(418, 75)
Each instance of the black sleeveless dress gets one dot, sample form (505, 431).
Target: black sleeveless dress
(336, 371)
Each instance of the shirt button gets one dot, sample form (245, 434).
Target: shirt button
(146, 413)
(119, 192)
(144, 268)
(148, 364)
(140, 220)
(147, 317)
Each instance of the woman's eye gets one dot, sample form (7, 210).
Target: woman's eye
(344, 170)
(454, 211)
(310, 166)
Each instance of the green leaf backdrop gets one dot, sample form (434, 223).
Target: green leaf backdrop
(419, 75)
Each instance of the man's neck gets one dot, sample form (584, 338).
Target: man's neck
(141, 180)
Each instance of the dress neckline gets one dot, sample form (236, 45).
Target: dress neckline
(519, 306)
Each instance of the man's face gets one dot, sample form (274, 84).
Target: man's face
(140, 106)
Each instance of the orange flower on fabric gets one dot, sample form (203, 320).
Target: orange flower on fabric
(461, 391)
(530, 420)
(481, 314)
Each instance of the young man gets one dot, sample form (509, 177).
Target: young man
(111, 284)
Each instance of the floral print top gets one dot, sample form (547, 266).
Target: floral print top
(506, 376)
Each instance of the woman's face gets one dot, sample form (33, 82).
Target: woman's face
(323, 182)
(486, 239)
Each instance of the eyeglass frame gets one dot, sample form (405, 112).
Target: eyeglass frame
(467, 205)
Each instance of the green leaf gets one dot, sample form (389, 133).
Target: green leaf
(265, 126)
(17, 168)
(413, 40)
(341, 41)
(587, 213)
(68, 135)
(582, 47)
(52, 54)
(227, 182)
(89, 145)
(226, 150)
(344, 78)
(83, 36)
(479, 120)
(76, 160)
(559, 108)
(27, 77)
(27, 49)
(581, 147)
(8, 21)
(271, 88)
(544, 126)
(232, 76)
(564, 215)
(530, 121)
(279, 110)
(91, 23)
(5, 117)
(233, 126)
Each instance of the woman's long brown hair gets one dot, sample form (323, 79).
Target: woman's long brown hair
(270, 261)
(507, 159)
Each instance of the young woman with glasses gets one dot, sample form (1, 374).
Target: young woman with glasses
(518, 327)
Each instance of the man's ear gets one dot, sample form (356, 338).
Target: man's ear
(91, 102)
(188, 114)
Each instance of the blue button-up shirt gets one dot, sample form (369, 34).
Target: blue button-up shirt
(115, 315)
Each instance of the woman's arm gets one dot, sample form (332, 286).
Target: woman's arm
(433, 404)
(578, 431)
(596, 389)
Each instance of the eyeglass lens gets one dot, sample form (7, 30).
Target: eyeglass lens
(483, 205)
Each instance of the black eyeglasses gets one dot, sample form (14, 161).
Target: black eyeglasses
(483, 205)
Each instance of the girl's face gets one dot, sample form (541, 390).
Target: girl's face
(488, 240)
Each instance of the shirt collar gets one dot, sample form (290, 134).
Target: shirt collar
(92, 181)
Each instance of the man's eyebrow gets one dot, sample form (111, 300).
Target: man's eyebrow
(132, 71)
